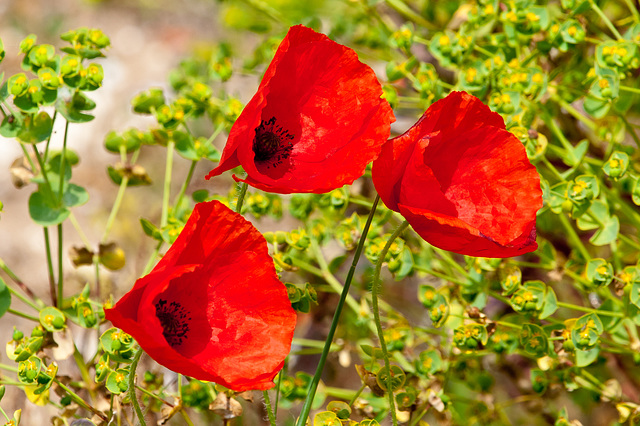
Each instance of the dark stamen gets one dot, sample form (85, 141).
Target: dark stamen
(272, 143)
(174, 320)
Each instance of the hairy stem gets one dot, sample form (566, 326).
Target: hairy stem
(376, 316)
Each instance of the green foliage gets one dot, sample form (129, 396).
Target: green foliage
(555, 327)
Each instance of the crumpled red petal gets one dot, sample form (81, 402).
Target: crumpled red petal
(315, 122)
(219, 282)
(462, 181)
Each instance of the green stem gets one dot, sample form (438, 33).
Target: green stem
(186, 183)
(573, 236)
(132, 387)
(60, 268)
(84, 371)
(241, 194)
(116, 206)
(152, 258)
(330, 278)
(311, 392)
(376, 315)
(63, 158)
(629, 241)
(76, 226)
(630, 89)
(279, 385)
(630, 129)
(9, 368)
(24, 299)
(574, 112)
(404, 10)
(310, 343)
(634, 11)
(590, 310)
(167, 185)
(186, 418)
(154, 396)
(267, 403)
(5, 415)
(23, 315)
(34, 169)
(48, 144)
(606, 20)
(80, 401)
(38, 303)
(355, 397)
(439, 275)
(42, 168)
(52, 284)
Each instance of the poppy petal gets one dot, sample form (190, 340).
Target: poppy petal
(455, 235)
(315, 122)
(213, 308)
(462, 181)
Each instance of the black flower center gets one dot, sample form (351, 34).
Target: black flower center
(174, 320)
(273, 143)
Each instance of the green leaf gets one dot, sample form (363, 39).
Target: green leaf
(577, 153)
(71, 109)
(146, 102)
(4, 91)
(43, 212)
(608, 234)
(5, 297)
(150, 229)
(326, 418)
(75, 195)
(550, 304)
(599, 213)
(113, 141)
(185, 145)
(341, 408)
(634, 294)
(598, 108)
(534, 340)
(52, 319)
(10, 126)
(117, 381)
(36, 128)
(398, 377)
(584, 358)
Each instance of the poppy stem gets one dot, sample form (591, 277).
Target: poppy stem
(132, 387)
(267, 404)
(311, 392)
(81, 401)
(376, 316)
(243, 191)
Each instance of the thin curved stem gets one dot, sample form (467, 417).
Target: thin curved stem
(376, 315)
(311, 392)
(132, 387)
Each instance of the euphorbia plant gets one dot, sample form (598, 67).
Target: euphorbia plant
(520, 106)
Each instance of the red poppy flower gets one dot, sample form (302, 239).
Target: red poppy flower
(315, 123)
(462, 181)
(213, 308)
